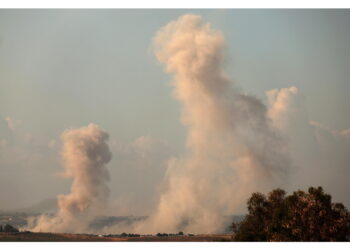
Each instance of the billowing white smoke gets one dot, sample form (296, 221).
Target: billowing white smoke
(321, 155)
(85, 153)
(232, 148)
(141, 168)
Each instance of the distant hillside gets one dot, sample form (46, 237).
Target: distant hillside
(44, 206)
(103, 221)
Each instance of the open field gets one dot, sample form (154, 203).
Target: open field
(28, 236)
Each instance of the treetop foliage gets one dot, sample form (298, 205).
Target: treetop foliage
(301, 216)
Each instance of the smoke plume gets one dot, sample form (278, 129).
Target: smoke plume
(232, 149)
(85, 154)
(320, 155)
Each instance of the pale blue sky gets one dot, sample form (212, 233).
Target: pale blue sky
(67, 68)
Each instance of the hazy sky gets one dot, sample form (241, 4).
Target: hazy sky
(63, 69)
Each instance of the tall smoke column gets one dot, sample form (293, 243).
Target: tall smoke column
(233, 150)
(85, 153)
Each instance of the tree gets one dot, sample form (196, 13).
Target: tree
(302, 216)
(10, 229)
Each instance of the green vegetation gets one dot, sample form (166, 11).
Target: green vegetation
(302, 216)
(8, 229)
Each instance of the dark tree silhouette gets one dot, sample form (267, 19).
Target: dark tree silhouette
(302, 216)
(9, 229)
